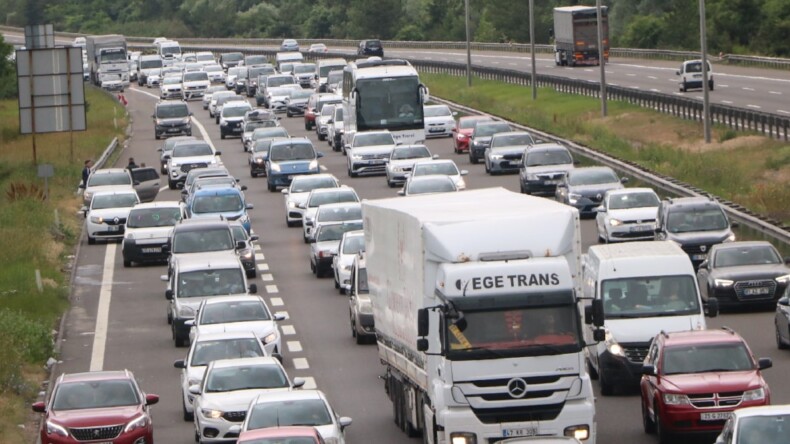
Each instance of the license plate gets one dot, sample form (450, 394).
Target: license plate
(524, 431)
(714, 416)
(152, 250)
(114, 228)
(640, 228)
(436, 130)
(551, 182)
(236, 130)
(172, 130)
(697, 76)
(699, 257)
(755, 291)
(514, 163)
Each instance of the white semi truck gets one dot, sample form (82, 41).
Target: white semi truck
(478, 320)
(109, 67)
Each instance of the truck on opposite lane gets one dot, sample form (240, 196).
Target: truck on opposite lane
(576, 35)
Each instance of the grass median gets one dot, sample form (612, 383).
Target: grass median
(39, 234)
(746, 168)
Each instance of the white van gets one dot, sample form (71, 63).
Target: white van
(288, 57)
(169, 51)
(690, 73)
(323, 67)
(638, 290)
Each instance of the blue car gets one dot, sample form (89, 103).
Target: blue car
(226, 202)
(289, 158)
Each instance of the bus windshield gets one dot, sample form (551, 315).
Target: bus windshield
(389, 103)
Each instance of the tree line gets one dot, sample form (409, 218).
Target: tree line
(757, 27)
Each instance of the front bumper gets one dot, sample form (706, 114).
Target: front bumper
(364, 324)
(630, 232)
(167, 131)
(477, 150)
(586, 206)
(540, 187)
(139, 436)
(149, 250)
(323, 263)
(171, 94)
(194, 94)
(504, 165)
(438, 131)
(217, 430)
(105, 231)
(620, 370)
(687, 419)
(373, 166)
(284, 180)
(735, 295)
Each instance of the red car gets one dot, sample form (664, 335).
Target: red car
(693, 380)
(302, 435)
(100, 407)
(463, 131)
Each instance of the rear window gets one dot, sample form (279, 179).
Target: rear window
(119, 178)
(336, 197)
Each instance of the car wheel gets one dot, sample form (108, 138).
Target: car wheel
(171, 185)
(321, 137)
(472, 158)
(251, 273)
(360, 339)
(222, 135)
(288, 114)
(272, 187)
(91, 240)
(179, 341)
(312, 267)
(488, 170)
(391, 184)
(779, 344)
(187, 416)
(306, 126)
(156, 136)
(683, 87)
(127, 263)
(353, 326)
(216, 120)
(162, 171)
(337, 286)
(169, 318)
(289, 223)
(647, 422)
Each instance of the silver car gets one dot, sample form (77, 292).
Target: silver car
(324, 245)
(368, 152)
(323, 196)
(505, 152)
(542, 168)
(402, 159)
(108, 179)
(352, 243)
(296, 194)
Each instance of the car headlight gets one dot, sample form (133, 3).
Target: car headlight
(97, 219)
(463, 438)
(366, 307)
(56, 429)
(461, 136)
(247, 255)
(531, 176)
(494, 156)
(291, 204)
(271, 337)
(275, 167)
(223, 123)
(129, 235)
(573, 197)
(723, 283)
(260, 160)
(173, 171)
(186, 312)
(313, 164)
(245, 218)
(615, 222)
(730, 238)
(460, 183)
(754, 395)
(612, 346)
(356, 157)
(140, 422)
(676, 399)
(783, 279)
(211, 413)
(580, 432)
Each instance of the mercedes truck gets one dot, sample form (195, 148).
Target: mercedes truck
(109, 67)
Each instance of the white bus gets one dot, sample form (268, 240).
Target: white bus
(384, 95)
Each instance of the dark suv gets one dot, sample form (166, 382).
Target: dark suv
(172, 118)
(695, 223)
(370, 47)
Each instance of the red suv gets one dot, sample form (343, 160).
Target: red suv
(693, 380)
(463, 132)
(105, 406)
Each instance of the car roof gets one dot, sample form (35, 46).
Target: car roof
(230, 299)
(210, 260)
(301, 177)
(511, 133)
(741, 244)
(265, 398)
(117, 191)
(96, 376)
(547, 146)
(630, 191)
(701, 337)
(159, 204)
(763, 410)
(431, 178)
(692, 201)
(277, 432)
(200, 224)
(591, 168)
(333, 190)
(217, 191)
(331, 206)
(433, 162)
(237, 362)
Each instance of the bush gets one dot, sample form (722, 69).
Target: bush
(22, 341)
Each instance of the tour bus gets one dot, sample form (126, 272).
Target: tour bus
(384, 95)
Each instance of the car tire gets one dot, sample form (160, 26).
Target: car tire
(171, 185)
(127, 263)
(488, 170)
(779, 344)
(351, 321)
(272, 187)
(216, 120)
(253, 173)
(251, 274)
(186, 415)
(222, 135)
(321, 137)
(647, 422)
(391, 184)
(312, 266)
(359, 338)
(472, 158)
(156, 136)
(91, 240)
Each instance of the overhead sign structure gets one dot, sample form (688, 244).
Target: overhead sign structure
(51, 90)
(39, 36)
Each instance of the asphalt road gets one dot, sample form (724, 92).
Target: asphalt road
(318, 338)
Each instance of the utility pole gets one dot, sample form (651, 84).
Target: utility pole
(601, 56)
(532, 47)
(468, 47)
(705, 88)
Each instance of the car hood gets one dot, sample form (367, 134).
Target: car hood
(700, 237)
(260, 328)
(297, 198)
(229, 215)
(95, 417)
(483, 139)
(545, 169)
(594, 190)
(750, 272)
(713, 382)
(644, 329)
(235, 401)
(194, 302)
(149, 233)
(196, 372)
(110, 213)
(173, 121)
(439, 119)
(150, 71)
(374, 149)
(298, 101)
(192, 159)
(646, 213)
(197, 83)
(294, 165)
(406, 162)
(345, 259)
(172, 86)
(96, 189)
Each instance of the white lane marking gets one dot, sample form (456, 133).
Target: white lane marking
(588, 70)
(513, 64)
(699, 97)
(727, 102)
(272, 289)
(300, 363)
(277, 302)
(140, 91)
(778, 93)
(294, 346)
(747, 89)
(672, 80)
(257, 249)
(288, 330)
(630, 74)
(609, 72)
(652, 77)
(309, 383)
(723, 86)
(163, 188)
(284, 313)
(636, 87)
(267, 277)
(103, 311)
(194, 120)
(754, 106)
(654, 90)
(783, 111)
(323, 168)
(263, 267)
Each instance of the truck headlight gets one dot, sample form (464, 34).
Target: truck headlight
(754, 395)
(463, 438)
(723, 283)
(675, 399)
(223, 123)
(172, 169)
(612, 346)
(580, 432)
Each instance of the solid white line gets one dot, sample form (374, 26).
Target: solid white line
(309, 383)
(754, 106)
(263, 267)
(272, 289)
(783, 111)
(723, 86)
(277, 302)
(652, 77)
(778, 93)
(267, 277)
(257, 248)
(747, 89)
(294, 346)
(323, 168)
(726, 102)
(630, 74)
(103, 311)
(301, 363)
(288, 330)
(163, 188)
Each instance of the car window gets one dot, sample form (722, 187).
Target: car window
(207, 351)
(437, 111)
(736, 257)
(211, 282)
(217, 203)
(339, 214)
(591, 177)
(153, 217)
(95, 394)
(415, 152)
(430, 186)
(328, 233)
(354, 244)
(763, 429)
(447, 168)
(373, 139)
(696, 219)
(303, 412)
(278, 81)
(119, 178)
(100, 202)
(195, 241)
(189, 150)
(269, 132)
(293, 151)
(335, 197)
(489, 129)
(234, 111)
(245, 377)
(647, 297)
(632, 200)
(195, 76)
(512, 140)
(470, 123)
(552, 157)
(304, 69)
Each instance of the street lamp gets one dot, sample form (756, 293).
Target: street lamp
(601, 55)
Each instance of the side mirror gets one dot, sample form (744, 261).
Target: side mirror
(189, 323)
(166, 248)
(423, 323)
(623, 180)
(279, 317)
(330, 121)
(184, 192)
(455, 113)
(787, 260)
(159, 150)
(252, 289)
(180, 364)
(712, 307)
(284, 191)
(151, 399)
(576, 163)
(194, 389)
(82, 185)
(164, 277)
(218, 153)
(249, 206)
(347, 288)
(464, 172)
(169, 294)
(648, 369)
(240, 245)
(704, 264)
(39, 407)
(599, 335)
(153, 116)
(298, 382)
(180, 185)
(764, 363)
(243, 188)
(435, 156)
(344, 422)
(254, 237)
(597, 312)
(319, 154)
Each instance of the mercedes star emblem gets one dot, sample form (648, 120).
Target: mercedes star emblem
(517, 387)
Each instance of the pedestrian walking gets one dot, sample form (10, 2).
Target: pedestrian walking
(86, 172)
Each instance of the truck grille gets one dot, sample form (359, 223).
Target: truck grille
(96, 433)
(635, 352)
(235, 416)
(762, 289)
(514, 414)
(715, 400)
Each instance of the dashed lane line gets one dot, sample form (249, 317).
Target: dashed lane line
(267, 277)
(754, 106)
(103, 310)
(272, 289)
(277, 302)
(776, 93)
(300, 363)
(309, 383)
(195, 121)
(288, 330)
(294, 346)
(263, 267)
(783, 111)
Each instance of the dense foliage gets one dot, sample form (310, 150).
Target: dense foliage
(734, 26)
(7, 71)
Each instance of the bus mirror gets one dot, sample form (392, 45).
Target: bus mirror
(424, 93)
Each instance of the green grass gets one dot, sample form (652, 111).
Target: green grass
(734, 167)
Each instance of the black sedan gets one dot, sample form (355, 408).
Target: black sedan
(584, 188)
(743, 274)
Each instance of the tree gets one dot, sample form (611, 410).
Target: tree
(367, 19)
(7, 71)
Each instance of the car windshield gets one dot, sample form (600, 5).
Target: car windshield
(332, 197)
(292, 151)
(211, 282)
(195, 76)
(512, 140)
(632, 200)
(205, 57)
(95, 395)
(437, 185)
(410, 152)
(279, 81)
(446, 168)
(198, 241)
(300, 94)
(235, 71)
(234, 111)
(119, 178)
(220, 94)
(153, 217)
(470, 123)
(246, 377)
(229, 312)
(489, 129)
(304, 69)
(262, 146)
(696, 219)
(327, 111)
(339, 214)
(753, 255)
(727, 357)
(514, 331)
(695, 67)
(305, 184)
(353, 244)
(255, 124)
(255, 60)
(335, 77)
(437, 111)
(151, 63)
(172, 111)
(322, 104)
(190, 150)
(302, 412)
(362, 139)
(591, 177)
(207, 351)
(650, 296)
(268, 133)
(328, 233)
(172, 80)
(552, 157)
(768, 428)
(331, 72)
(217, 203)
(103, 201)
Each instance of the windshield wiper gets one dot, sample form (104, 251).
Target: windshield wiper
(495, 353)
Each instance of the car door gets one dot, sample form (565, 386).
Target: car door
(146, 183)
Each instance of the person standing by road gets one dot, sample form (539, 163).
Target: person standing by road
(86, 172)
(131, 165)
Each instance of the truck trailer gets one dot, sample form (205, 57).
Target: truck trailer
(576, 35)
(478, 319)
(109, 67)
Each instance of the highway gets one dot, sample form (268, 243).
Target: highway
(117, 319)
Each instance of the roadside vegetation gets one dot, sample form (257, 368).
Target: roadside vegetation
(746, 168)
(39, 234)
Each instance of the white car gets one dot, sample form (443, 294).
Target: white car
(153, 78)
(206, 100)
(194, 84)
(296, 194)
(402, 159)
(205, 58)
(187, 155)
(215, 74)
(352, 243)
(213, 106)
(627, 214)
(148, 229)
(332, 213)
(233, 74)
(170, 88)
(226, 390)
(322, 196)
(106, 215)
(277, 96)
(107, 179)
(322, 120)
(763, 424)
(211, 347)
(439, 120)
(368, 152)
(297, 407)
(239, 313)
(441, 166)
(690, 73)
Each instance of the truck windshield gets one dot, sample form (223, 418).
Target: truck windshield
(113, 55)
(391, 103)
(519, 331)
(650, 296)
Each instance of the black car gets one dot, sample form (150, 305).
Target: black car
(744, 273)
(172, 118)
(230, 60)
(370, 47)
(584, 188)
(695, 223)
